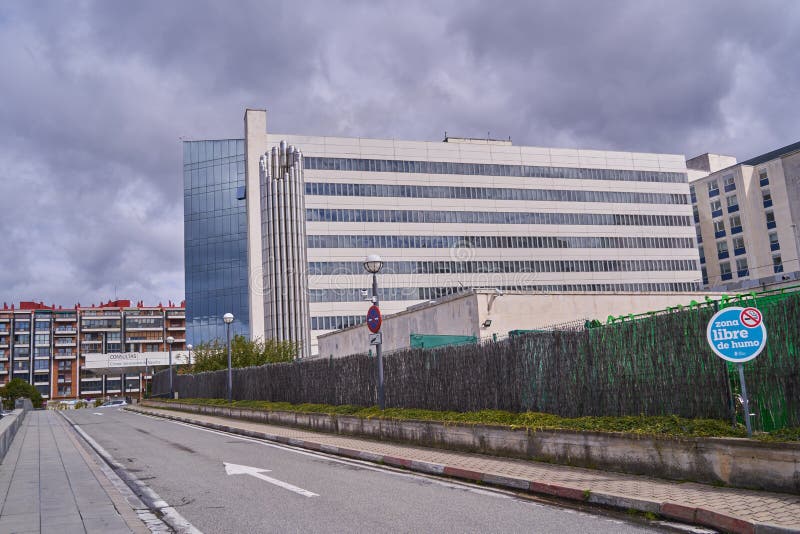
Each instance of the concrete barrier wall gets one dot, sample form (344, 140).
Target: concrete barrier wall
(8, 429)
(735, 462)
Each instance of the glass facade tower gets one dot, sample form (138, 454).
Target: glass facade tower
(215, 238)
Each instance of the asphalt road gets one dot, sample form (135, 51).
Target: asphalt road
(185, 465)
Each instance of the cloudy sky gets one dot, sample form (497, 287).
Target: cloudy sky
(95, 95)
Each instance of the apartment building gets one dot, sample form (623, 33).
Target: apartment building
(746, 217)
(47, 346)
(444, 216)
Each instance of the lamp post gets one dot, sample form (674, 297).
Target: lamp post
(373, 264)
(170, 341)
(189, 347)
(228, 318)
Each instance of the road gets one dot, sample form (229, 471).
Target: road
(302, 491)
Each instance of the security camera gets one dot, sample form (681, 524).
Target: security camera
(364, 294)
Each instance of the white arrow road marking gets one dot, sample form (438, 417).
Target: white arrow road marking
(97, 413)
(236, 469)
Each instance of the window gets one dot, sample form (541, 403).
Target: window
(696, 213)
(692, 193)
(704, 272)
(730, 183)
(725, 270)
(741, 268)
(736, 224)
(733, 203)
(722, 249)
(713, 188)
(702, 254)
(767, 197)
(774, 244)
(777, 263)
(716, 208)
(763, 179)
(770, 215)
(738, 245)
(719, 228)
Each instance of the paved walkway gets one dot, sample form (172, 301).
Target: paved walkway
(50, 483)
(728, 509)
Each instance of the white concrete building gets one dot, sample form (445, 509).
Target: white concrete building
(746, 218)
(457, 214)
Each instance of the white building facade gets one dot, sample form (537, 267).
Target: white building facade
(465, 213)
(746, 218)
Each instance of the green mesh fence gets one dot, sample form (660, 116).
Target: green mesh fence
(650, 364)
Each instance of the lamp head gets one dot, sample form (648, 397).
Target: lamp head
(228, 318)
(189, 346)
(373, 263)
(170, 340)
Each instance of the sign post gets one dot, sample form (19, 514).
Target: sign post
(738, 335)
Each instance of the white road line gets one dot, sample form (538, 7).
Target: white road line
(168, 514)
(97, 413)
(497, 493)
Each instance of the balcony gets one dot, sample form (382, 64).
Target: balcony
(771, 225)
(727, 276)
(65, 343)
(59, 356)
(90, 341)
(65, 330)
(176, 316)
(716, 213)
(722, 255)
(177, 327)
(3, 371)
(739, 251)
(772, 246)
(144, 328)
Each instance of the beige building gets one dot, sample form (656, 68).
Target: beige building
(448, 216)
(485, 313)
(746, 218)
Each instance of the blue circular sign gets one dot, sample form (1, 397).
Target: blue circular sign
(737, 334)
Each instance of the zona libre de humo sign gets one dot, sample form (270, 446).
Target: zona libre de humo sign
(737, 334)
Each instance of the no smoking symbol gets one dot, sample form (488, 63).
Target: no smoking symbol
(750, 317)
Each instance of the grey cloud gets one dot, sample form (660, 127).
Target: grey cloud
(95, 96)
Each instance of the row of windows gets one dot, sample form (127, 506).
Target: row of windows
(321, 268)
(493, 217)
(493, 241)
(336, 322)
(490, 193)
(489, 169)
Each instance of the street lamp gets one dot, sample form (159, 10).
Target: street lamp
(170, 341)
(373, 264)
(228, 318)
(189, 347)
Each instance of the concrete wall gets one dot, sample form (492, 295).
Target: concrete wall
(734, 462)
(8, 428)
(455, 315)
(510, 310)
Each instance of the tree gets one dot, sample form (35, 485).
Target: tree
(17, 388)
(213, 356)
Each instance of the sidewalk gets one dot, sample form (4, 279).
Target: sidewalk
(49, 483)
(729, 510)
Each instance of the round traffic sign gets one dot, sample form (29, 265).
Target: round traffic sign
(374, 319)
(737, 334)
(750, 317)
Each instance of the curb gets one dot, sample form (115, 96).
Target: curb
(669, 510)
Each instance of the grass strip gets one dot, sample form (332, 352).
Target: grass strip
(664, 426)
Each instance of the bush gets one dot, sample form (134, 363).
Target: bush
(18, 388)
(244, 353)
